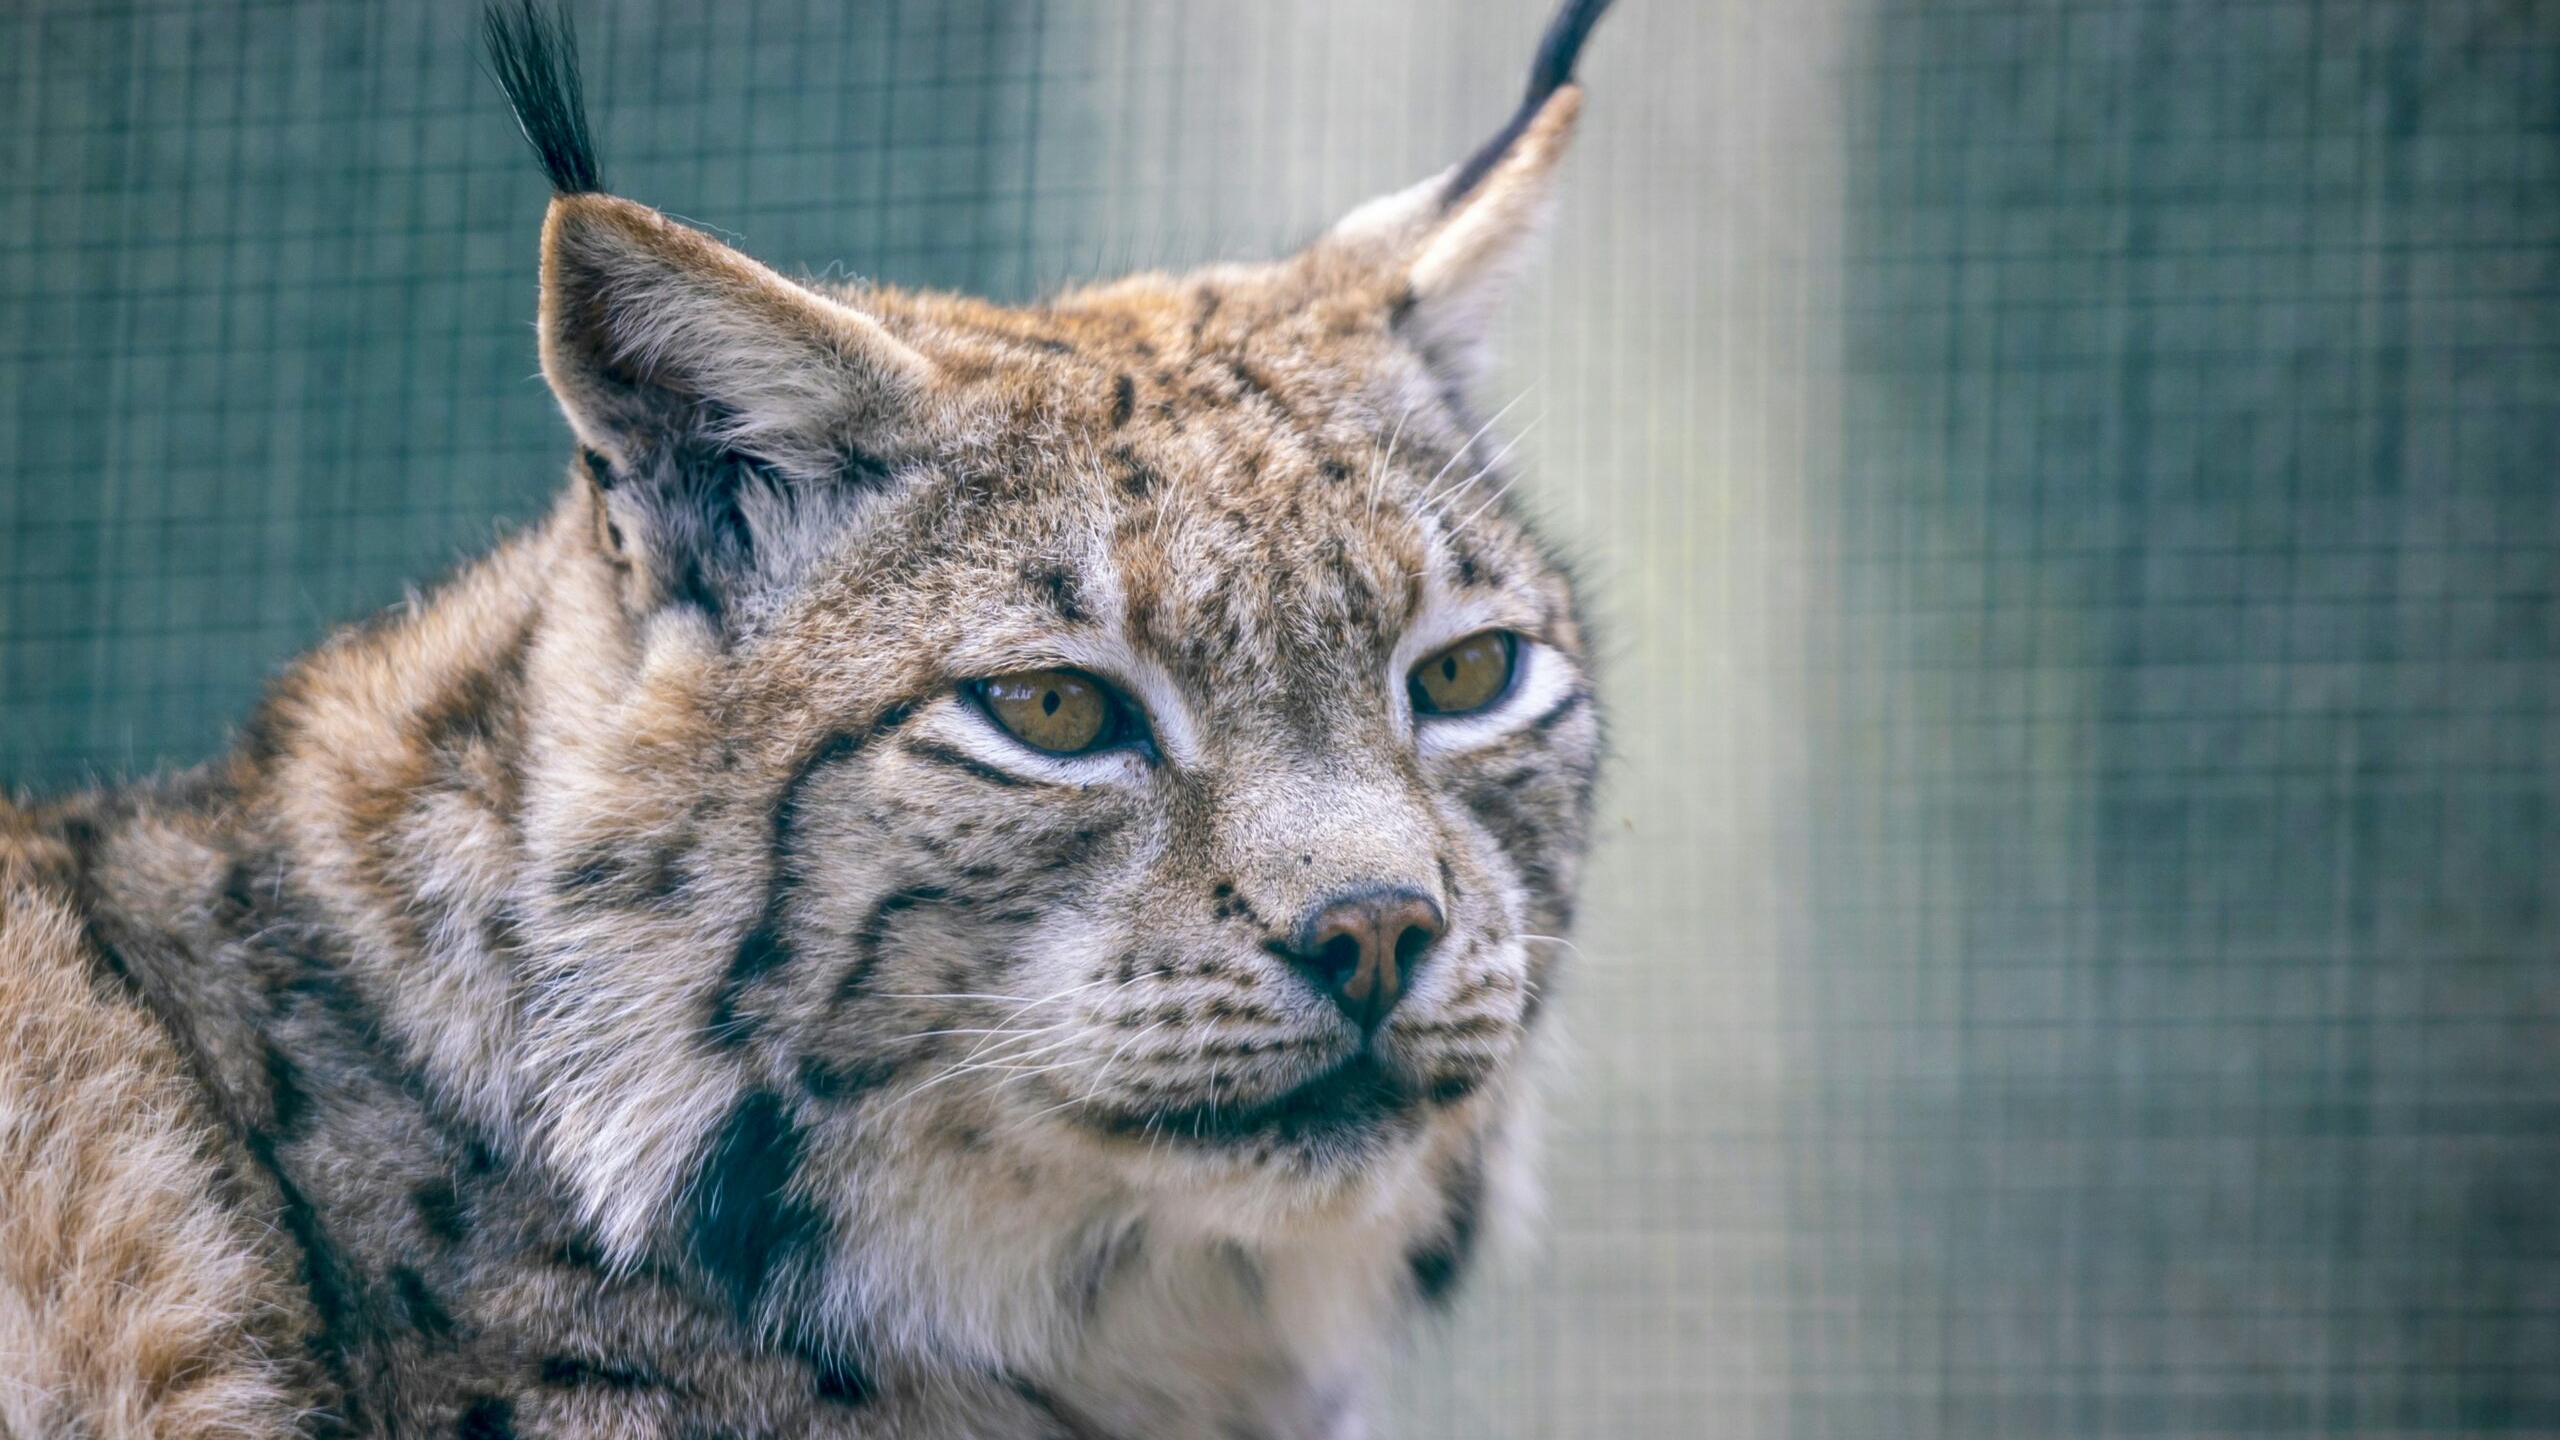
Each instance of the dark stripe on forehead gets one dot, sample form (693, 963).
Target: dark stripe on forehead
(1137, 477)
(1469, 573)
(1473, 564)
(1056, 587)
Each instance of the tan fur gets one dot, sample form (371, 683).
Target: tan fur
(137, 1300)
(634, 988)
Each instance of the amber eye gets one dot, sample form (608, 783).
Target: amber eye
(1467, 676)
(1064, 712)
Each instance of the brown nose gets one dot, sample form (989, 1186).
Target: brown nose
(1360, 950)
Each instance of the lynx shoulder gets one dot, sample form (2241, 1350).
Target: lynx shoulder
(985, 872)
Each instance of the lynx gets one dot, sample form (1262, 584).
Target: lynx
(985, 872)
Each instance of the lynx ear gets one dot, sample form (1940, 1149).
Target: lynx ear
(659, 338)
(720, 404)
(1446, 250)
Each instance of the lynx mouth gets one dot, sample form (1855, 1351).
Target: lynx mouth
(1355, 1101)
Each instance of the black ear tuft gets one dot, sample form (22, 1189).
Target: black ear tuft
(1550, 72)
(1561, 46)
(534, 56)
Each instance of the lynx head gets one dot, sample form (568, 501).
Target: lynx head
(1031, 772)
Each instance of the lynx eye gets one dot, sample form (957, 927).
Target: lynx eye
(1064, 712)
(1466, 677)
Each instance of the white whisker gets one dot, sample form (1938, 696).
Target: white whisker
(976, 1030)
(1378, 467)
(1440, 503)
(1470, 442)
(1100, 1076)
(1011, 1062)
(1489, 502)
(959, 995)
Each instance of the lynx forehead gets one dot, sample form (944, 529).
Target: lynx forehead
(987, 871)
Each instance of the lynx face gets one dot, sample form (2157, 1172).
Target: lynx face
(1160, 754)
(1008, 782)
(1157, 787)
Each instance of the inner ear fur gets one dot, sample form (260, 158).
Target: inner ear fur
(658, 338)
(1458, 263)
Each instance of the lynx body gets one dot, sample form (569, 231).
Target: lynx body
(694, 973)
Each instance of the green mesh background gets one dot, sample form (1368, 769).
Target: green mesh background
(2072, 491)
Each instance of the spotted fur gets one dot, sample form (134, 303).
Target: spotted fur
(633, 990)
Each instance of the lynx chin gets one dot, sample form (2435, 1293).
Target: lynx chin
(985, 872)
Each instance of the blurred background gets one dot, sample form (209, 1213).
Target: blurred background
(2071, 489)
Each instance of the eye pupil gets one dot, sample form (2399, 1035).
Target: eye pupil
(1064, 712)
(1466, 677)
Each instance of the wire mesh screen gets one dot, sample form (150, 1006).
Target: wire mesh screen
(2069, 489)
(2189, 861)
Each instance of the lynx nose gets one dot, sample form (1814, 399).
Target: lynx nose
(1360, 950)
